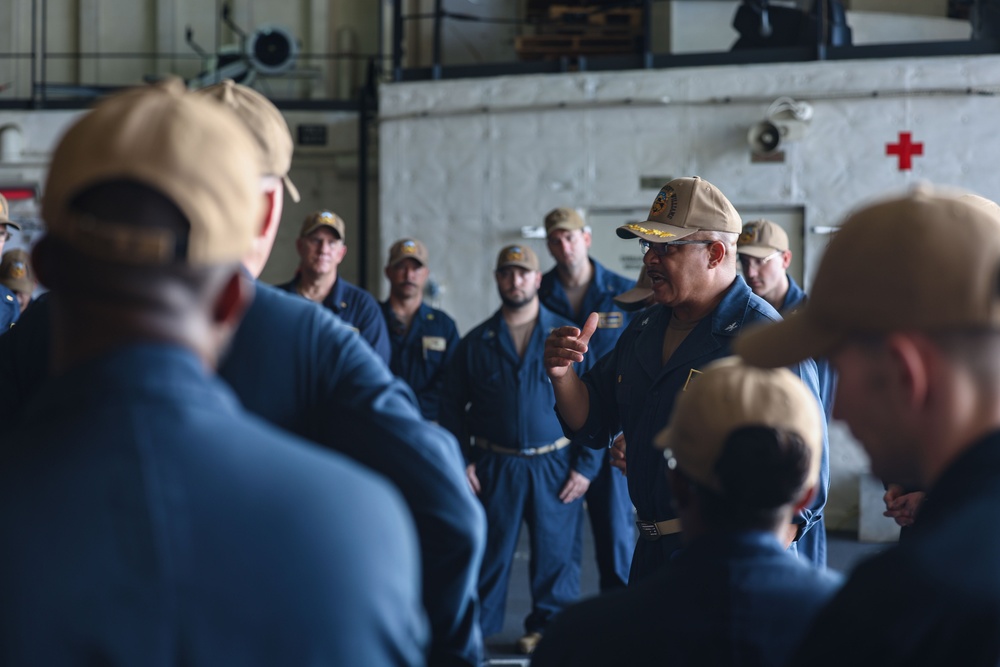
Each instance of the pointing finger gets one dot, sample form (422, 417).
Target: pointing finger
(589, 327)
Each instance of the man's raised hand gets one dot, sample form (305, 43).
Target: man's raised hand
(567, 345)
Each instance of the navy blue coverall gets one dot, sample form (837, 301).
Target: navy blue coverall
(812, 545)
(148, 519)
(10, 309)
(933, 599)
(298, 366)
(420, 355)
(729, 599)
(356, 307)
(492, 394)
(612, 517)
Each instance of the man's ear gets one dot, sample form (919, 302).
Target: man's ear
(233, 300)
(273, 205)
(910, 367)
(716, 253)
(786, 258)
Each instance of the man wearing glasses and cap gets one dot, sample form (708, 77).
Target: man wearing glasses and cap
(701, 304)
(9, 308)
(764, 258)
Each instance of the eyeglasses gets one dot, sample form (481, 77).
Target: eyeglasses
(662, 249)
(757, 262)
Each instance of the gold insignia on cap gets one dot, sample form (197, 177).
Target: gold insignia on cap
(749, 234)
(408, 248)
(18, 270)
(635, 227)
(514, 254)
(326, 216)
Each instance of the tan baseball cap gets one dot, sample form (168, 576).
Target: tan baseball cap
(5, 214)
(731, 395)
(563, 218)
(407, 249)
(15, 271)
(189, 148)
(518, 255)
(318, 219)
(266, 124)
(761, 238)
(926, 261)
(635, 298)
(987, 205)
(682, 207)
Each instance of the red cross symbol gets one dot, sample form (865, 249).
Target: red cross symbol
(905, 149)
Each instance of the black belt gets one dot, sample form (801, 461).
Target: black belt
(654, 530)
(483, 443)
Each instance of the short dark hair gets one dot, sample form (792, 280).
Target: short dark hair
(762, 470)
(82, 276)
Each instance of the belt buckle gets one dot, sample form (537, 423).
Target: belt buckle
(648, 530)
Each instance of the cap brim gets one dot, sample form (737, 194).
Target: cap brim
(290, 188)
(567, 226)
(634, 299)
(787, 342)
(313, 228)
(11, 223)
(526, 267)
(758, 251)
(18, 284)
(404, 257)
(655, 232)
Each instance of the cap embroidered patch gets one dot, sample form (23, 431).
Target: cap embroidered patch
(749, 235)
(19, 270)
(514, 254)
(409, 248)
(665, 197)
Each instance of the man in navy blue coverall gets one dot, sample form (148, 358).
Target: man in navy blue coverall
(423, 338)
(906, 305)
(689, 243)
(322, 245)
(743, 453)
(577, 286)
(146, 518)
(498, 401)
(10, 309)
(298, 366)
